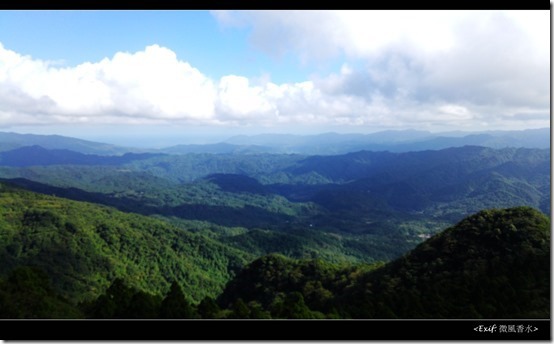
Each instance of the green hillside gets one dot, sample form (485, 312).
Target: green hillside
(494, 264)
(363, 206)
(83, 247)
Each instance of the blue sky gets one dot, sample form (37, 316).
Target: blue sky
(75, 37)
(188, 76)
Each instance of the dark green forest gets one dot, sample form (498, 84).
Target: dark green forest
(83, 246)
(452, 233)
(494, 264)
(380, 204)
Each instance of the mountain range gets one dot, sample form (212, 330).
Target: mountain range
(386, 225)
(320, 144)
(393, 141)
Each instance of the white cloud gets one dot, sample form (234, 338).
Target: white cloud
(455, 111)
(430, 70)
(370, 33)
(153, 86)
(237, 99)
(148, 85)
(491, 63)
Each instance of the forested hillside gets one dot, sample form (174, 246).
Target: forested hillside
(493, 265)
(82, 247)
(362, 192)
(245, 234)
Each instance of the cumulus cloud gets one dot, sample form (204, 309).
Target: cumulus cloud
(151, 84)
(427, 70)
(493, 64)
(238, 99)
(154, 86)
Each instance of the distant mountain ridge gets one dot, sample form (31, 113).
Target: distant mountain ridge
(394, 141)
(10, 141)
(39, 156)
(320, 144)
(218, 148)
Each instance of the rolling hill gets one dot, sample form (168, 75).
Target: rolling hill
(493, 265)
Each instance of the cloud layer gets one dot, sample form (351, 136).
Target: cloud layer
(437, 70)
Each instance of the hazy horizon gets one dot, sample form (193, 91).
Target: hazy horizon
(168, 138)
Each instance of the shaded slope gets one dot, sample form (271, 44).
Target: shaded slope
(460, 181)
